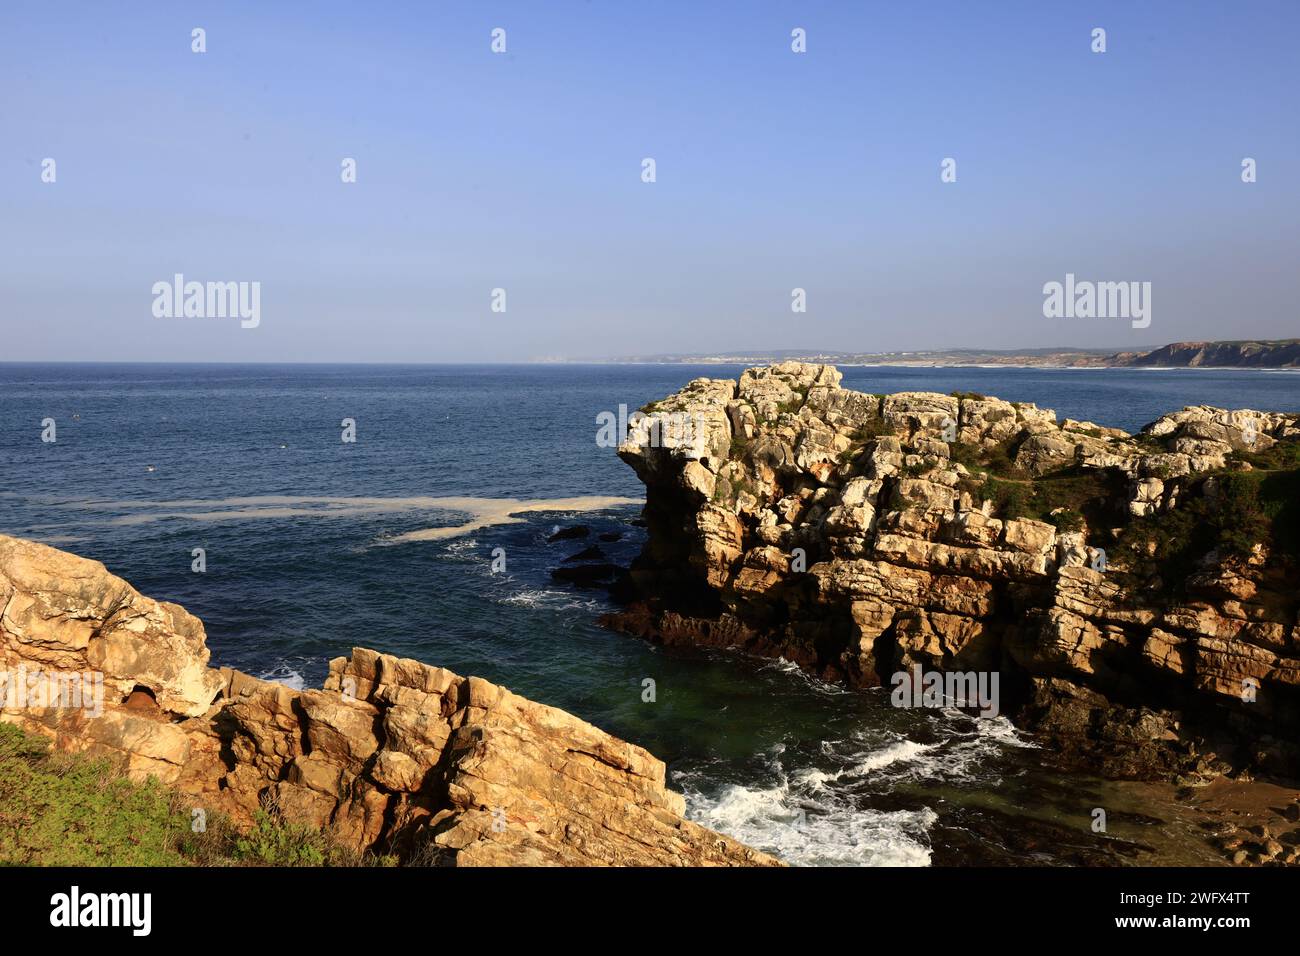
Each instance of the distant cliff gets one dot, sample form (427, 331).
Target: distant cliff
(1136, 593)
(1282, 353)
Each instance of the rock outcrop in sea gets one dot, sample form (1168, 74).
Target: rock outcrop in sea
(391, 755)
(1137, 594)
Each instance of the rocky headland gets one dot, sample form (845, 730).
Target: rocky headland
(391, 756)
(1276, 353)
(1137, 594)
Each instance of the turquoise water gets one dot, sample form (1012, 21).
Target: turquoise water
(246, 462)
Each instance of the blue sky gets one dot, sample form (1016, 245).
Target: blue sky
(775, 170)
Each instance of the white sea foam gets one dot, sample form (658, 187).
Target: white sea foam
(806, 831)
(284, 673)
(784, 666)
(820, 814)
(551, 600)
(901, 751)
(458, 547)
(813, 682)
(1003, 731)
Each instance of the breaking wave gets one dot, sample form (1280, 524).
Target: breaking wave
(822, 806)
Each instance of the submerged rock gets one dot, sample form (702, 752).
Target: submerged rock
(592, 553)
(587, 574)
(391, 754)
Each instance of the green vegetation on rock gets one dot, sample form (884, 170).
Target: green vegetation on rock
(71, 810)
(1238, 511)
(994, 459)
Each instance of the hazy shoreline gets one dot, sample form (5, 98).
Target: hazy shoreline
(1237, 353)
(993, 366)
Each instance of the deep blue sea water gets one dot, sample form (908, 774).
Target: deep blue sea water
(300, 531)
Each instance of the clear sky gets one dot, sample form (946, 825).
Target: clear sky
(522, 171)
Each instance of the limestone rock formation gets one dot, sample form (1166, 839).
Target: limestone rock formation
(391, 754)
(1137, 593)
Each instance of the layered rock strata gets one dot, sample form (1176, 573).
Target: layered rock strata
(1136, 593)
(391, 755)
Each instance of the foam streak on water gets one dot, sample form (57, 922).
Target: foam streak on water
(482, 512)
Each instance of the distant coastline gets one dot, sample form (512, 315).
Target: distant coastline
(1258, 354)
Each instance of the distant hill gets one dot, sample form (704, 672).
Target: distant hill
(1279, 353)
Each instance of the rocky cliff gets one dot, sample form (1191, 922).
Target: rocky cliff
(1281, 353)
(1136, 593)
(391, 755)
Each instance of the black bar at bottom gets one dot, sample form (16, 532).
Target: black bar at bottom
(377, 908)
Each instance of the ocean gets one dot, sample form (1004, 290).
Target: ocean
(314, 545)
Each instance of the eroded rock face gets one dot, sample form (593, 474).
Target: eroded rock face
(859, 535)
(391, 754)
(71, 614)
